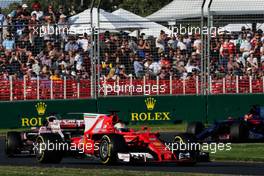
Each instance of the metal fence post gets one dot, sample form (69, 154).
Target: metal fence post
(170, 85)
(24, 87)
(93, 63)
(78, 89)
(224, 85)
(130, 85)
(183, 87)
(51, 89)
(237, 86)
(105, 87)
(250, 84)
(64, 88)
(210, 85)
(91, 86)
(197, 85)
(118, 87)
(38, 87)
(203, 51)
(144, 85)
(11, 88)
(157, 84)
(98, 44)
(209, 25)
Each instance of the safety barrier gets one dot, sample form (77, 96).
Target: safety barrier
(11, 90)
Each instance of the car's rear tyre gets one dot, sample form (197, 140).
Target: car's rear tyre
(13, 143)
(44, 153)
(109, 147)
(195, 128)
(239, 132)
(185, 139)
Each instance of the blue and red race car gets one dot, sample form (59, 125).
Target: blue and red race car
(249, 128)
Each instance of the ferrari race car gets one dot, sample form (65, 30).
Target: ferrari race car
(243, 129)
(100, 136)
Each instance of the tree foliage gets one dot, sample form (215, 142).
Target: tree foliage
(143, 7)
(140, 7)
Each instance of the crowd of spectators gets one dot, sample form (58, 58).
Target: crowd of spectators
(26, 53)
(28, 50)
(164, 56)
(239, 54)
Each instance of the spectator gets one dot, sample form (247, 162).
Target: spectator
(160, 42)
(72, 45)
(262, 52)
(182, 46)
(2, 20)
(111, 75)
(122, 73)
(138, 67)
(246, 46)
(252, 61)
(85, 42)
(197, 44)
(50, 14)
(25, 12)
(153, 68)
(59, 13)
(192, 64)
(36, 7)
(9, 43)
(55, 76)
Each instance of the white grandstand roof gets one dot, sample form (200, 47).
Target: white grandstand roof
(182, 9)
(150, 28)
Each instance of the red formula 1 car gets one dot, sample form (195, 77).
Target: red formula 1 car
(98, 135)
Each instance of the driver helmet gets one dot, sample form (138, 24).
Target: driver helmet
(248, 117)
(119, 126)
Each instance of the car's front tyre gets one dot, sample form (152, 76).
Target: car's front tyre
(46, 154)
(110, 146)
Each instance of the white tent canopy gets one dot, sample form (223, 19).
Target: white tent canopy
(181, 9)
(108, 21)
(178, 9)
(150, 28)
(237, 7)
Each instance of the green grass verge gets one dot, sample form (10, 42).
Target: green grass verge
(37, 171)
(241, 152)
(154, 127)
(163, 127)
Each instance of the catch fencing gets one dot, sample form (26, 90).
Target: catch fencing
(201, 47)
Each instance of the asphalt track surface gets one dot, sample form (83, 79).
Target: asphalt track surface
(232, 168)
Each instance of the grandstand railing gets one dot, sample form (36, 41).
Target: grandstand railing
(11, 90)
